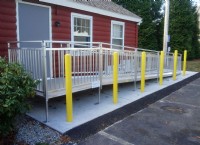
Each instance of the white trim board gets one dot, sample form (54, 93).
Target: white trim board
(87, 8)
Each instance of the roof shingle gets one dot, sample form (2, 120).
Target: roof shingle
(109, 6)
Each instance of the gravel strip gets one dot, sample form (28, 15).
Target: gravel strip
(32, 132)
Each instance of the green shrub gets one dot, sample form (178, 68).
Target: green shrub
(15, 87)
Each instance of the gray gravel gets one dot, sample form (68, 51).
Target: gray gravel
(31, 132)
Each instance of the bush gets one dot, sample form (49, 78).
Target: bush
(15, 87)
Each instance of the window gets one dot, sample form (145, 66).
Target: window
(81, 29)
(117, 34)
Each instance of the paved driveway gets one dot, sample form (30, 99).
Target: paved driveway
(174, 120)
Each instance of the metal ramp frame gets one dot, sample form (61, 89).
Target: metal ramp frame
(91, 66)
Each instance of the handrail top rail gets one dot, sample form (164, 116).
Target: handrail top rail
(36, 41)
(79, 43)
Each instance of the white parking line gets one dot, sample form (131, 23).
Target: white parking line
(114, 138)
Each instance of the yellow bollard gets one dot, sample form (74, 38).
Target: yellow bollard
(184, 62)
(115, 77)
(68, 85)
(161, 67)
(143, 70)
(175, 64)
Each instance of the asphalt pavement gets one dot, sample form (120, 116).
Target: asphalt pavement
(172, 117)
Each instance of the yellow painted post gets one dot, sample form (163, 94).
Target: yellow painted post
(115, 77)
(175, 64)
(161, 67)
(143, 70)
(184, 62)
(68, 85)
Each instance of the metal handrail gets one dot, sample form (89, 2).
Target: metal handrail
(89, 65)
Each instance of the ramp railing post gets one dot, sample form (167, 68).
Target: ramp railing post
(100, 70)
(135, 67)
(158, 64)
(44, 78)
(68, 86)
(9, 52)
(184, 62)
(115, 77)
(143, 70)
(175, 64)
(161, 67)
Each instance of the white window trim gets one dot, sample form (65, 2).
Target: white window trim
(73, 15)
(118, 23)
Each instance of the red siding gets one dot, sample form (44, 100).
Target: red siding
(101, 25)
(7, 24)
(64, 31)
(130, 34)
(101, 28)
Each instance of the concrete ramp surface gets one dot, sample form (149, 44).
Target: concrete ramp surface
(86, 108)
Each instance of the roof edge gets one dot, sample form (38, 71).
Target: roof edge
(87, 8)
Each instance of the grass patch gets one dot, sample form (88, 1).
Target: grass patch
(193, 65)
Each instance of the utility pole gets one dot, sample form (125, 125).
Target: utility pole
(166, 26)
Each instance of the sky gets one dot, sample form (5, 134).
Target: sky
(197, 1)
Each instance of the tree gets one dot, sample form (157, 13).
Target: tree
(183, 24)
(195, 42)
(150, 30)
(183, 27)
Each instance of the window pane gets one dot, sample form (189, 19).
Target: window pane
(83, 30)
(81, 27)
(78, 29)
(121, 34)
(117, 31)
(117, 42)
(117, 34)
(84, 22)
(78, 21)
(88, 30)
(118, 27)
(82, 39)
(87, 23)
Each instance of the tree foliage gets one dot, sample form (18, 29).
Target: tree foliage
(183, 24)
(183, 27)
(150, 30)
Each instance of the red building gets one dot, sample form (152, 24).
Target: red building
(89, 21)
